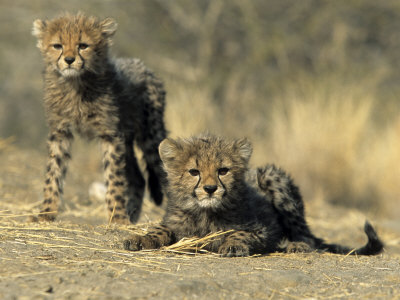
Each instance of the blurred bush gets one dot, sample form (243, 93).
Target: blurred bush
(313, 83)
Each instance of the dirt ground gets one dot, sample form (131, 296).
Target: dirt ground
(80, 256)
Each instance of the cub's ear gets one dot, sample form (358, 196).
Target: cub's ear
(38, 28)
(108, 27)
(169, 150)
(244, 149)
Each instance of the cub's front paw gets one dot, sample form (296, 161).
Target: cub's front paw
(234, 249)
(140, 242)
(43, 216)
(298, 247)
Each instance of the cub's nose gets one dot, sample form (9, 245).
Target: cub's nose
(69, 59)
(210, 188)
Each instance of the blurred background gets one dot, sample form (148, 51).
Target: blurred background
(313, 84)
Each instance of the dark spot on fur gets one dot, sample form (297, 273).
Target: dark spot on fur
(119, 198)
(106, 138)
(58, 160)
(119, 161)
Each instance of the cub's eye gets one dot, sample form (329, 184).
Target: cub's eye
(223, 171)
(57, 46)
(194, 172)
(83, 46)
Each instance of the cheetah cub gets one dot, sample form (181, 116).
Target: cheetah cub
(210, 189)
(117, 101)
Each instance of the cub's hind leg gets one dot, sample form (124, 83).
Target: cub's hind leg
(155, 172)
(151, 134)
(59, 144)
(286, 199)
(124, 180)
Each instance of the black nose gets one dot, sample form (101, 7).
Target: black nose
(69, 59)
(210, 188)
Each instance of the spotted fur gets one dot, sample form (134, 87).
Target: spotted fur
(210, 189)
(117, 101)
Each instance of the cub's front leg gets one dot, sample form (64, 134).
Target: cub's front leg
(245, 243)
(156, 237)
(59, 144)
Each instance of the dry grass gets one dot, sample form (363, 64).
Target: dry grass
(327, 138)
(77, 245)
(75, 242)
(6, 143)
(190, 109)
(195, 245)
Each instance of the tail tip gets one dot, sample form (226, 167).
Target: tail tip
(374, 243)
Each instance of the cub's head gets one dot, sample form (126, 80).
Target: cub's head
(74, 44)
(205, 171)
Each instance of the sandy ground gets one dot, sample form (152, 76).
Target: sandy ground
(80, 256)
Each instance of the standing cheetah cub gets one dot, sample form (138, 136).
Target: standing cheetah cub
(117, 101)
(210, 189)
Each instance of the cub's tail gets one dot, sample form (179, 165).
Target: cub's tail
(374, 245)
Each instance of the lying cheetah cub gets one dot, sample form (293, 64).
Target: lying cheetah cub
(210, 189)
(116, 101)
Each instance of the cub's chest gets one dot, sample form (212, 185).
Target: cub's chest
(87, 115)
